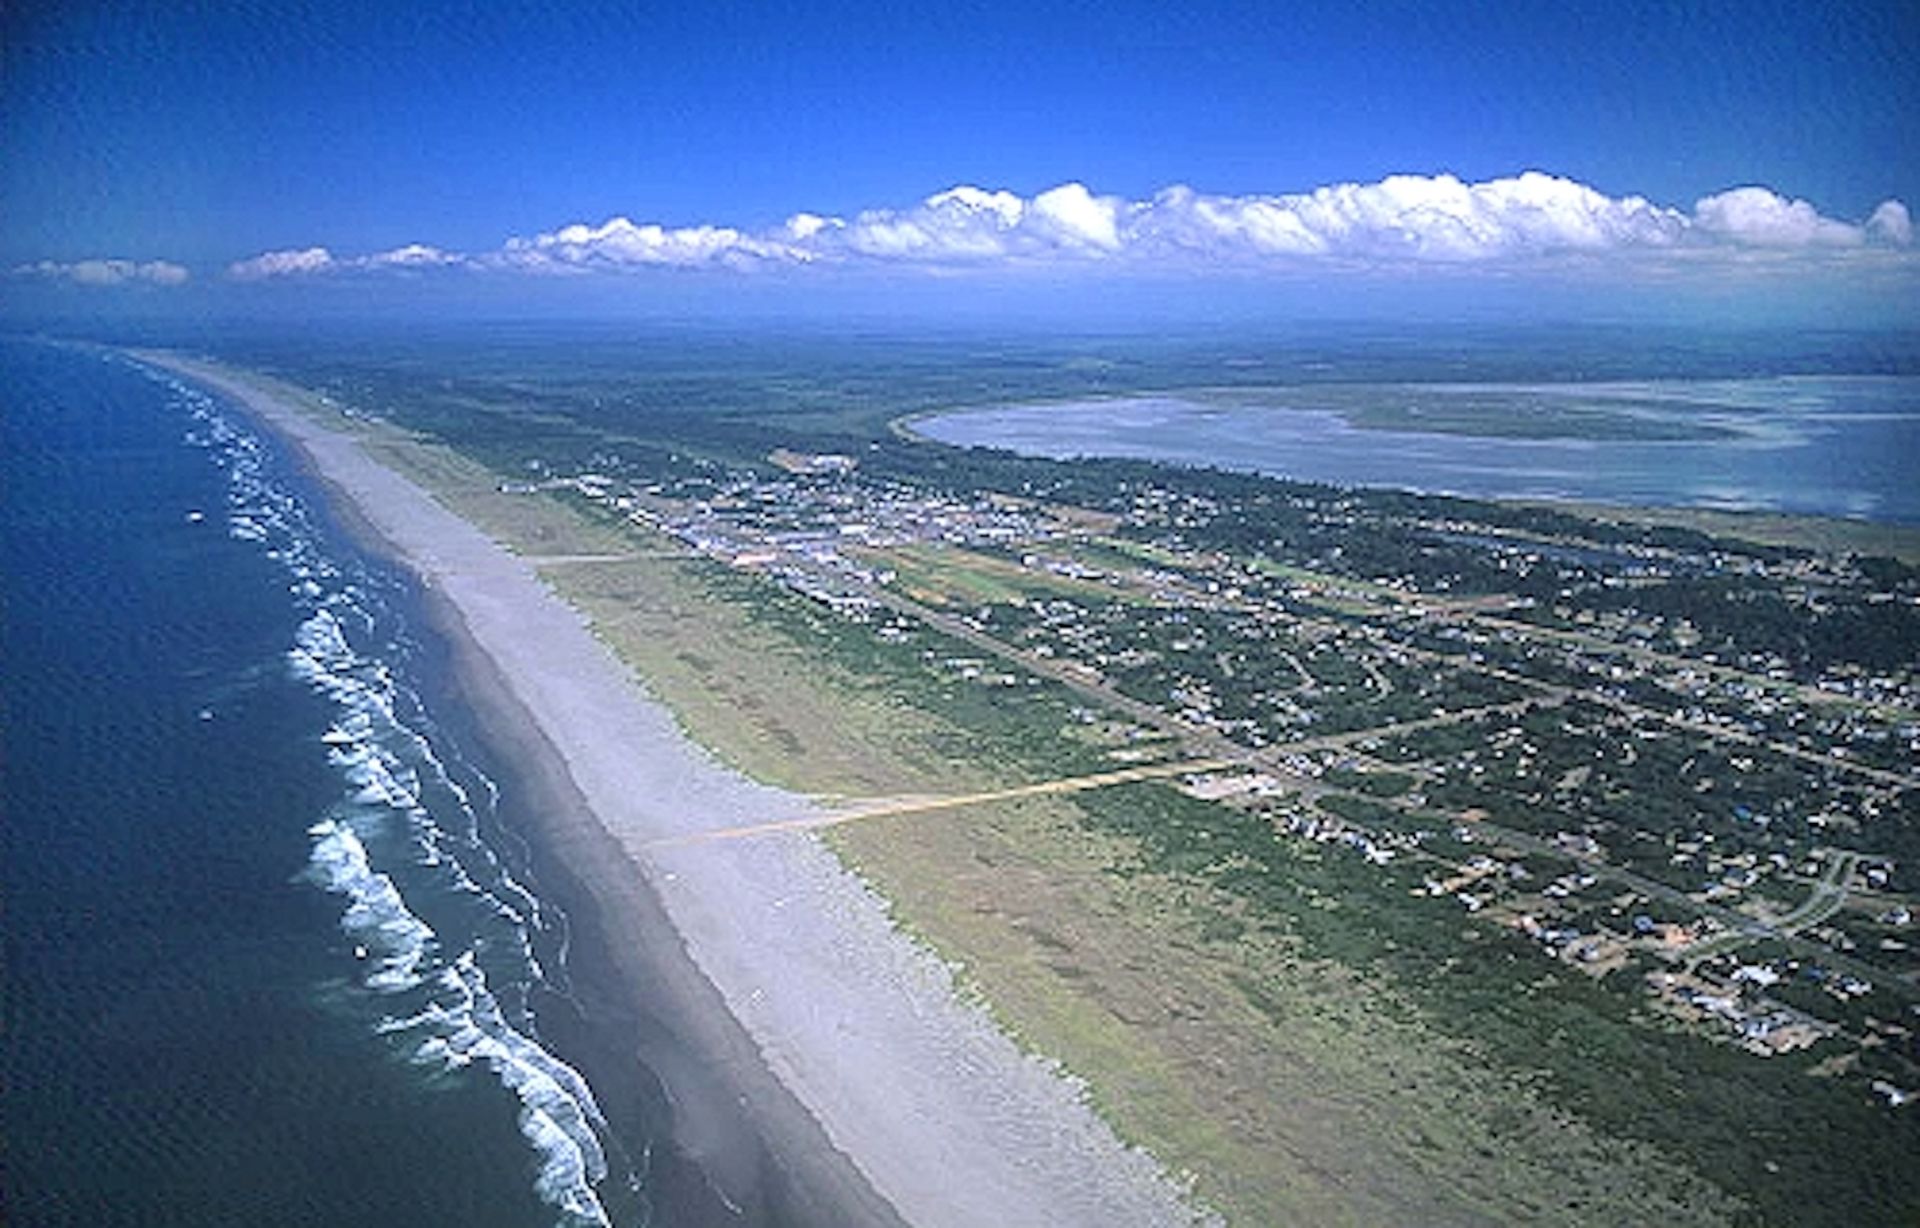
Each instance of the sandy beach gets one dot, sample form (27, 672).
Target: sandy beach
(822, 1067)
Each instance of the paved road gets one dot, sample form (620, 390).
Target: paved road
(1828, 896)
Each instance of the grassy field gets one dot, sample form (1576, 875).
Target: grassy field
(1824, 534)
(948, 575)
(1296, 1090)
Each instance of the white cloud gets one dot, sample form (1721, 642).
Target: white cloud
(108, 272)
(1398, 222)
(620, 243)
(1756, 217)
(1407, 218)
(1073, 217)
(1890, 224)
(963, 225)
(290, 262)
(411, 256)
(308, 261)
(803, 226)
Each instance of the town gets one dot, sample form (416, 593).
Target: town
(1673, 763)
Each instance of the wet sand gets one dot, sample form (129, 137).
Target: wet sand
(820, 1067)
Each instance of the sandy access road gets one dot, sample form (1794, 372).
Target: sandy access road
(916, 1107)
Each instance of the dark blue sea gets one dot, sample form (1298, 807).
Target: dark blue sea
(269, 958)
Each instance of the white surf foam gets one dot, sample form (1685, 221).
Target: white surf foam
(384, 838)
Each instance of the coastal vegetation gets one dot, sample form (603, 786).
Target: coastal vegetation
(1266, 989)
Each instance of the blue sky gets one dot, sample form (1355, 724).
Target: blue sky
(198, 136)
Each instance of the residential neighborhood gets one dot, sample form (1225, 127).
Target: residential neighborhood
(1713, 818)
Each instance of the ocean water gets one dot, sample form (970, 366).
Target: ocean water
(1825, 445)
(269, 958)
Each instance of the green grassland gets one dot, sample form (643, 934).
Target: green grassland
(949, 575)
(1823, 534)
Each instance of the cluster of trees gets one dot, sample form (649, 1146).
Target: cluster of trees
(1738, 615)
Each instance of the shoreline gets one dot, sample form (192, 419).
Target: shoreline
(820, 1065)
(725, 1166)
(647, 1001)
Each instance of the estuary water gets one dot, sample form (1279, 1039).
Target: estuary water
(269, 954)
(1823, 445)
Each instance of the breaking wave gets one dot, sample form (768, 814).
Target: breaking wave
(441, 934)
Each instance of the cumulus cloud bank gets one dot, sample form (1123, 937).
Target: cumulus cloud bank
(294, 262)
(107, 272)
(620, 243)
(1403, 220)
(282, 264)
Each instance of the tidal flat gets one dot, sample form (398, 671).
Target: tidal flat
(1840, 446)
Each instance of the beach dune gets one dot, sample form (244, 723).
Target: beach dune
(841, 1045)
